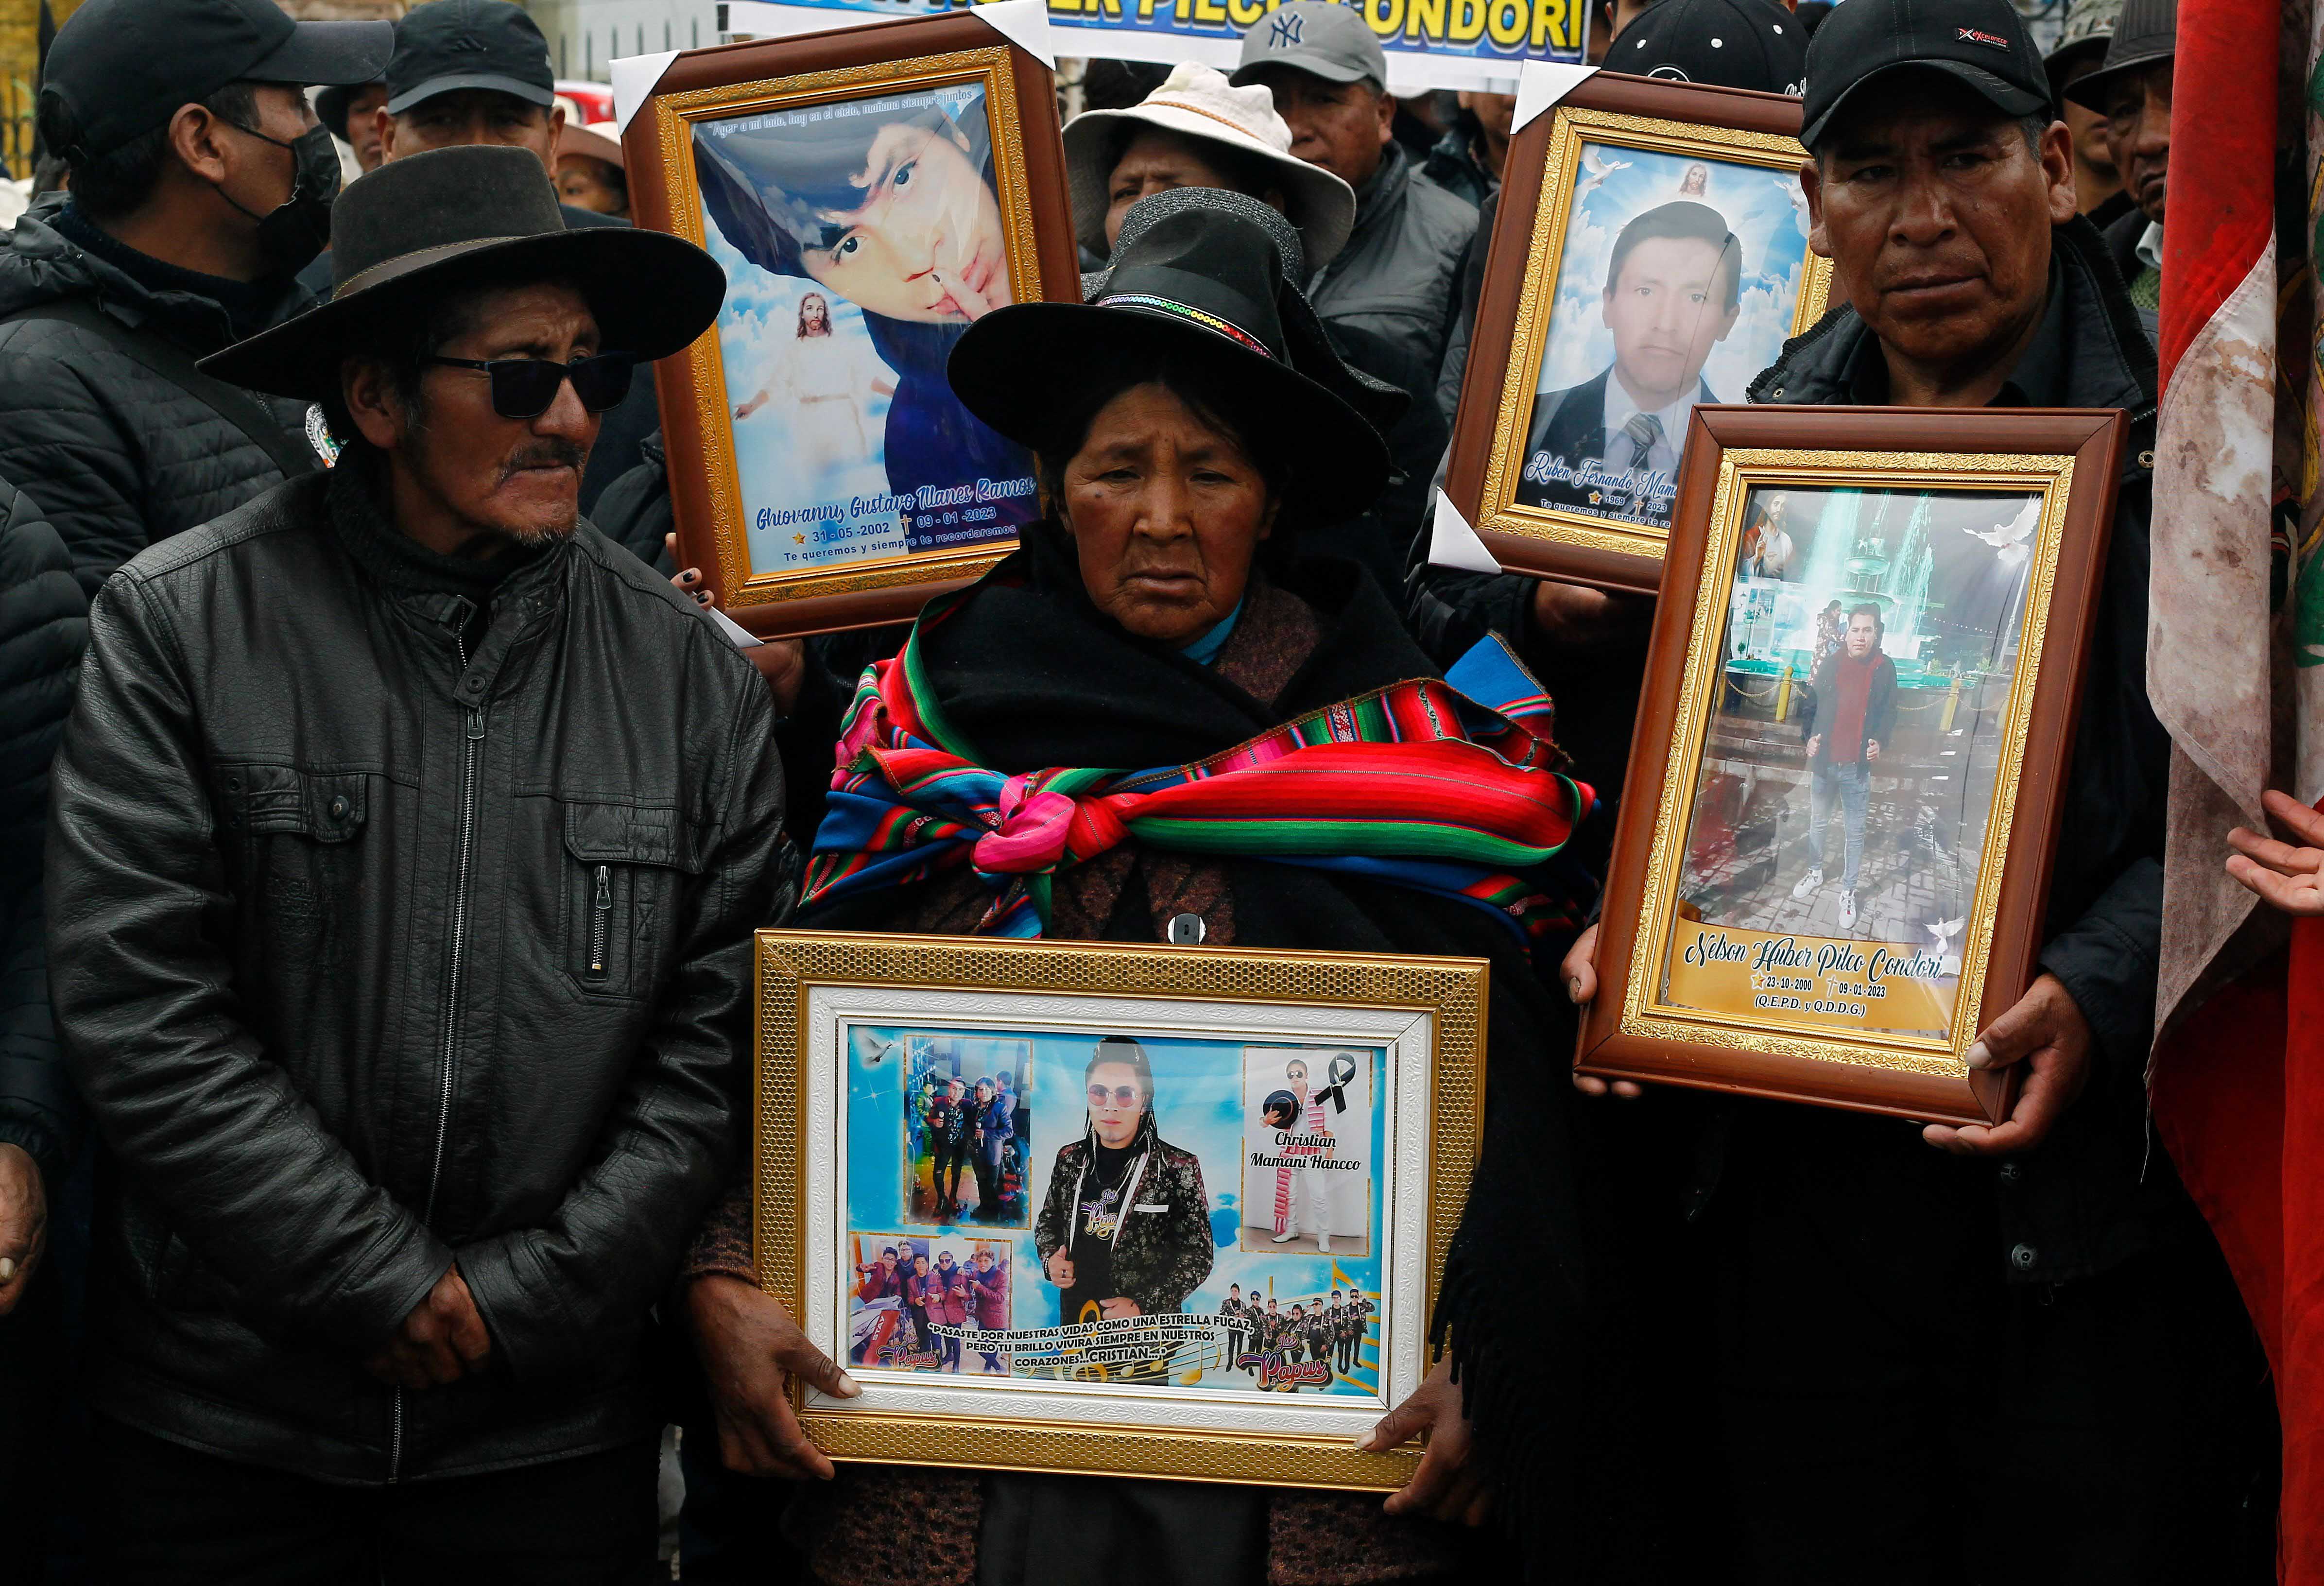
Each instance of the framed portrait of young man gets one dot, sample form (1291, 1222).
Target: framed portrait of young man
(1829, 871)
(1651, 254)
(871, 192)
(1121, 1210)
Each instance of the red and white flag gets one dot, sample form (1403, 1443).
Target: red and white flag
(2239, 1068)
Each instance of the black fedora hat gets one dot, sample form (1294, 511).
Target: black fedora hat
(1201, 283)
(413, 230)
(2146, 32)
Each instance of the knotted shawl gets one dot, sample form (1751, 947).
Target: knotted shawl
(1448, 786)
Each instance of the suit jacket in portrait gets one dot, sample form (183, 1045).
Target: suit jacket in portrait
(1569, 432)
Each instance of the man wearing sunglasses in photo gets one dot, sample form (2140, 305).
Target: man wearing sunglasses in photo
(403, 964)
(1125, 1229)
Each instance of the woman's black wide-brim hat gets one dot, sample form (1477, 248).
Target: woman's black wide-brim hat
(415, 228)
(1200, 284)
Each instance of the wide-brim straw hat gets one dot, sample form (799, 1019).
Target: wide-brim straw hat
(1202, 284)
(1198, 103)
(411, 230)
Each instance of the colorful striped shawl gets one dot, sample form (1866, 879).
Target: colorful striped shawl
(1446, 785)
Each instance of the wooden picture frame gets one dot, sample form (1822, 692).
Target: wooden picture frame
(821, 519)
(1977, 542)
(1616, 150)
(858, 1038)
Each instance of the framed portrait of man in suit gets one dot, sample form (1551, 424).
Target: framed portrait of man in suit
(1651, 254)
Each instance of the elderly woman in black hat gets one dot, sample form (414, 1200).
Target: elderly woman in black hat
(1194, 429)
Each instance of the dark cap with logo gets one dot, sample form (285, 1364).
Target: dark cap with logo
(123, 68)
(1982, 45)
(448, 45)
(1728, 44)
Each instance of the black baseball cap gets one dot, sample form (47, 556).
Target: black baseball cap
(453, 44)
(1728, 44)
(1981, 44)
(122, 67)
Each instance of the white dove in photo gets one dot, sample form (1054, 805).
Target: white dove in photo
(1799, 204)
(2009, 540)
(1597, 168)
(1944, 931)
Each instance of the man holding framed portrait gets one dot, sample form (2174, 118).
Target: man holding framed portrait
(2042, 1289)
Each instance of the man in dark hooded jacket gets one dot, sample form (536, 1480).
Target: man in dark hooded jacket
(198, 176)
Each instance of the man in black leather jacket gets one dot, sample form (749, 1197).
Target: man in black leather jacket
(401, 952)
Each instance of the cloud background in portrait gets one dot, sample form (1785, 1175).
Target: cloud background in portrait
(1758, 205)
(1199, 1094)
(755, 328)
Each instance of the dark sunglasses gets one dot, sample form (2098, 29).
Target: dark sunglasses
(522, 388)
(1120, 1096)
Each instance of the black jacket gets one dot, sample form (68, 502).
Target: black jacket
(1388, 299)
(1879, 710)
(43, 624)
(386, 933)
(118, 456)
(119, 460)
(2098, 1190)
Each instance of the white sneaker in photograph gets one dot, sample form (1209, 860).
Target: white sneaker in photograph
(1848, 911)
(1808, 885)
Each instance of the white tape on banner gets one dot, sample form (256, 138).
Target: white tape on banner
(1024, 23)
(1541, 84)
(635, 78)
(1452, 543)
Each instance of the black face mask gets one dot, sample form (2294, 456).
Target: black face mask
(294, 231)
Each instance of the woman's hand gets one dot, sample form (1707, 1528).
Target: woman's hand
(1580, 972)
(2291, 879)
(1451, 1484)
(748, 1343)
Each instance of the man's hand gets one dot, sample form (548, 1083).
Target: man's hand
(1570, 616)
(1812, 742)
(748, 1343)
(1871, 749)
(1060, 1267)
(782, 662)
(1451, 1484)
(2291, 879)
(24, 1223)
(2048, 1034)
(1120, 1304)
(1580, 970)
(442, 1340)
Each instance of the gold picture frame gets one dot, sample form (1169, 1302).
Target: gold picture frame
(1729, 958)
(853, 1032)
(1713, 130)
(809, 75)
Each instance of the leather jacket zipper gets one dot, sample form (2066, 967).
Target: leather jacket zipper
(471, 753)
(601, 923)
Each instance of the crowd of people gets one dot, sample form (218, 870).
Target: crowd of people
(383, 842)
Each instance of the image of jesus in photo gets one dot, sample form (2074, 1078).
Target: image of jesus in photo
(1125, 1226)
(1610, 445)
